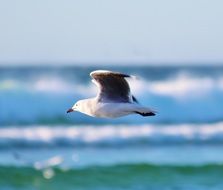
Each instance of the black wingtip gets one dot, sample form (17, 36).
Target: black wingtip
(146, 114)
(135, 100)
(151, 114)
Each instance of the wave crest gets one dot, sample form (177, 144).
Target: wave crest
(112, 135)
(180, 86)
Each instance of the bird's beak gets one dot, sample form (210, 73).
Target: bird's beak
(70, 110)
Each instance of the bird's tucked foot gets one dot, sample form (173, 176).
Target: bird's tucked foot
(144, 114)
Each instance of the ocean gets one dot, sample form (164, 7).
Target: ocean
(44, 148)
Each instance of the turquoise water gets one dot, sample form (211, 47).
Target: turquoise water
(134, 176)
(41, 147)
(148, 167)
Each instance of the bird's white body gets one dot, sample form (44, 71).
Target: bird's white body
(94, 108)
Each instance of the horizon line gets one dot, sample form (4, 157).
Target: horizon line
(110, 63)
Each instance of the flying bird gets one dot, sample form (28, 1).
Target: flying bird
(114, 98)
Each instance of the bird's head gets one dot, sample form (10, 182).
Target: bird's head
(79, 106)
(75, 107)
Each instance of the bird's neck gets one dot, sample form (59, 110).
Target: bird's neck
(88, 106)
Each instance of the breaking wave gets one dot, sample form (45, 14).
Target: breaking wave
(179, 98)
(42, 136)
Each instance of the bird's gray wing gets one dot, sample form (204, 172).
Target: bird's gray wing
(113, 86)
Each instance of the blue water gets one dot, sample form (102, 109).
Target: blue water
(42, 147)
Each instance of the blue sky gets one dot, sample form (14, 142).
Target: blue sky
(121, 31)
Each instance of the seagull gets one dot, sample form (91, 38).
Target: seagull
(114, 98)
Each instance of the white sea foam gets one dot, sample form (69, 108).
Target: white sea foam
(180, 86)
(111, 135)
(48, 85)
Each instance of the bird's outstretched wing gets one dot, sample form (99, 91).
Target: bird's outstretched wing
(112, 86)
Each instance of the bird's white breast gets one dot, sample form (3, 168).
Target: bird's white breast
(112, 110)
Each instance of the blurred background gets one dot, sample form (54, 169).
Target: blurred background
(47, 50)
